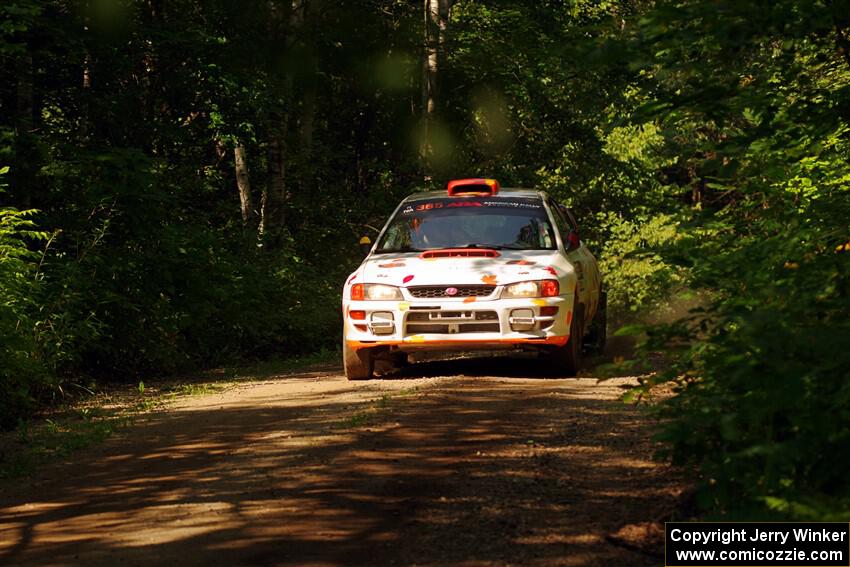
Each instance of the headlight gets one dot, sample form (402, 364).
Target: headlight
(380, 292)
(538, 288)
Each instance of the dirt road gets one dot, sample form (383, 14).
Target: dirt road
(447, 465)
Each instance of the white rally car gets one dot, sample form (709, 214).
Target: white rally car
(474, 267)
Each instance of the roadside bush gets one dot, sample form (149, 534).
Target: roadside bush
(191, 298)
(20, 369)
(754, 117)
(638, 279)
(764, 384)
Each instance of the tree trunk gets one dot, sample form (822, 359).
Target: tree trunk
(444, 8)
(436, 23)
(23, 174)
(243, 184)
(83, 127)
(361, 137)
(841, 20)
(273, 205)
(308, 120)
(85, 95)
(284, 18)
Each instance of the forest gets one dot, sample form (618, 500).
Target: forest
(183, 184)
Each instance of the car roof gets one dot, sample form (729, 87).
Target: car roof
(503, 192)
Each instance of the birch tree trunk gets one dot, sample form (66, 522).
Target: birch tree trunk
(243, 184)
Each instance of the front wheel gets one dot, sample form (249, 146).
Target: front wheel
(359, 364)
(568, 357)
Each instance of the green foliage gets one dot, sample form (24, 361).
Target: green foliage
(57, 437)
(20, 369)
(704, 146)
(755, 105)
(762, 408)
(636, 275)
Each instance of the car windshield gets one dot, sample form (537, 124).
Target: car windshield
(469, 222)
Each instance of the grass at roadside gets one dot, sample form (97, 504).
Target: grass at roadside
(86, 421)
(322, 359)
(376, 411)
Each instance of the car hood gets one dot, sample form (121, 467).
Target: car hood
(411, 269)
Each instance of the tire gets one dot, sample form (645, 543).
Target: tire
(567, 358)
(597, 335)
(359, 365)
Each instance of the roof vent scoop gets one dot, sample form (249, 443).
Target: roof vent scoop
(460, 253)
(473, 187)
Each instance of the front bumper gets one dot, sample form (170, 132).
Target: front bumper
(457, 324)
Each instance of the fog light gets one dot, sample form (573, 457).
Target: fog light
(522, 320)
(381, 323)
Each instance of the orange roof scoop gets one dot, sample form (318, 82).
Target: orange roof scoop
(477, 186)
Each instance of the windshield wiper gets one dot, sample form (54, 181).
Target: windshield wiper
(395, 250)
(481, 246)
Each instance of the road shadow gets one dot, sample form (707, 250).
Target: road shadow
(520, 365)
(474, 471)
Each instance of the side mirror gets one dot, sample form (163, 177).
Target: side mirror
(365, 245)
(573, 240)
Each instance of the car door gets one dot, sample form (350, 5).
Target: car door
(580, 256)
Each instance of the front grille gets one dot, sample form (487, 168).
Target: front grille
(426, 316)
(439, 329)
(431, 291)
(452, 322)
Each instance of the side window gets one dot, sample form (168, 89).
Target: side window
(569, 216)
(564, 227)
(397, 235)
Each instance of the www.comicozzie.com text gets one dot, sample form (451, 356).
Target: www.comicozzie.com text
(743, 534)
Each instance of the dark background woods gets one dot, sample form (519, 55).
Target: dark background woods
(184, 183)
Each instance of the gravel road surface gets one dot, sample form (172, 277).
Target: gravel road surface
(469, 462)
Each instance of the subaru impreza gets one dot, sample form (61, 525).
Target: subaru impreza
(474, 267)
